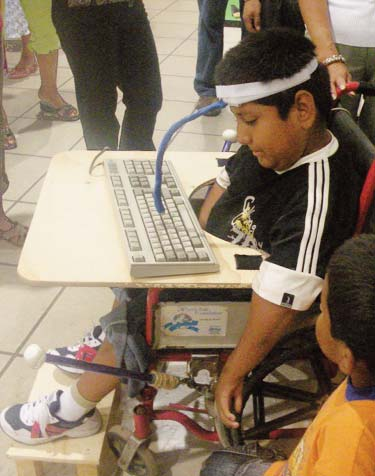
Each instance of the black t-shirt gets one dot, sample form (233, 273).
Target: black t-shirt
(296, 218)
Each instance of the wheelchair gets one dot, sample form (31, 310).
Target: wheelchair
(208, 358)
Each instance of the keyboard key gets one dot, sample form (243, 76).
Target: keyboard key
(157, 242)
(192, 256)
(202, 255)
(139, 259)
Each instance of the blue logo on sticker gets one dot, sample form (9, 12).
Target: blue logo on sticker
(182, 321)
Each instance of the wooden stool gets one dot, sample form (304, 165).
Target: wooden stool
(84, 453)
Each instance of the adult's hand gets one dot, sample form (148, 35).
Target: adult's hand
(338, 76)
(251, 15)
(228, 392)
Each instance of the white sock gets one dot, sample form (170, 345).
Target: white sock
(72, 405)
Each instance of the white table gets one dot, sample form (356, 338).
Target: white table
(73, 239)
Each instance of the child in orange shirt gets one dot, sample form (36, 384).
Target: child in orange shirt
(341, 439)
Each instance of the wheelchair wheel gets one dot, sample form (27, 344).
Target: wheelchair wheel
(301, 345)
(143, 463)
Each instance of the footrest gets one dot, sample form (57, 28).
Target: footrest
(84, 453)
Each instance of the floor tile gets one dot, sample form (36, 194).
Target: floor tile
(17, 100)
(212, 125)
(165, 46)
(179, 66)
(196, 142)
(187, 18)
(45, 138)
(184, 6)
(9, 253)
(22, 304)
(67, 86)
(171, 112)
(3, 360)
(33, 193)
(33, 81)
(152, 12)
(172, 30)
(23, 172)
(177, 88)
(159, 4)
(75, 312)
(187, 48)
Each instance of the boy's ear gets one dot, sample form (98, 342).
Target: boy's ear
(305, 108)
(346, 360)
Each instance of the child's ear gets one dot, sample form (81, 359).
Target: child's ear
(305, 108)
(346, 360)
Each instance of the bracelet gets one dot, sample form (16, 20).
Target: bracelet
(334, 59)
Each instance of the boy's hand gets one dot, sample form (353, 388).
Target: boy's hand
(228, 391)
(251, 15)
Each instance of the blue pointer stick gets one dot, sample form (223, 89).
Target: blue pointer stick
(164, 143)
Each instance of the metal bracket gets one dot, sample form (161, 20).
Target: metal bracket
(129, 451)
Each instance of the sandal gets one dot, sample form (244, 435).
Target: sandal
(16, 235)
(10, 141)
(20, 72)
(67, 112)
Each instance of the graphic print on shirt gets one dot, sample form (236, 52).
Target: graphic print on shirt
(243, 227)
(295, 460)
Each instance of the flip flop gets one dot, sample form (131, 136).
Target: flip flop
(10, 141)
(20, 72)
(67, 112)
(16, 235)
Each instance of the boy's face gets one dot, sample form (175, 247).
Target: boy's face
(276, 143)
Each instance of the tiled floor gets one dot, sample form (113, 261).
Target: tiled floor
(58, 316)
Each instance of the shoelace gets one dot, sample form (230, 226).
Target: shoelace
(88, 339)
(38, 411)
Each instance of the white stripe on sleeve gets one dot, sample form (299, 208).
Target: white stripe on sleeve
(223, 179)
(317, 205)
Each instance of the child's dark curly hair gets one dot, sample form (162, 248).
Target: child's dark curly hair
(351, 297)
(276, 53)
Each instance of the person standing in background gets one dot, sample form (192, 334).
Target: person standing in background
(16, 27)
(344, 35)
(210, 50)
(254, 16)
(10, 231)
(45, 44)
(109, 44)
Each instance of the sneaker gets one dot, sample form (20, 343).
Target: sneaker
(36, 422)
(85, 350)
(204, 101)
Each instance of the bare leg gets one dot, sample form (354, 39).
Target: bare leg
(48, 74)
(27, 56)
(5, 223)
(48, 92)
(11, 231)
(94, 387)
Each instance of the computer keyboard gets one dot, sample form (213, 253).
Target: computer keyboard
(156, 244)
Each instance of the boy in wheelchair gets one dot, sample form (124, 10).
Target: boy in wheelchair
(290, 191)
(341, 439)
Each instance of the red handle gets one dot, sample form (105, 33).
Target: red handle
(352, 86)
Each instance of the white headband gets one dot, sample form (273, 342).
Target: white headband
(238, 94)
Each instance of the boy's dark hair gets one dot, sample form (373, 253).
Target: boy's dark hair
(351, 297)
(276, 53)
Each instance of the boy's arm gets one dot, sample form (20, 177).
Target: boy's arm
(213, 196)
(316, 17)
(267, 324)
